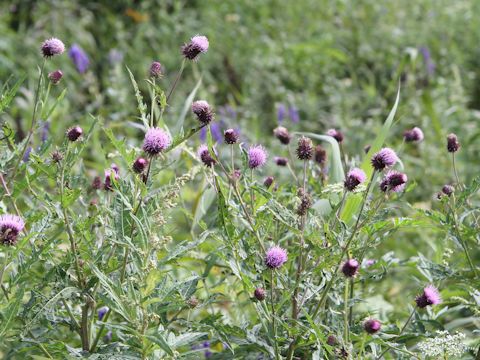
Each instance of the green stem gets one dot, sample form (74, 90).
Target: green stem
(272, 283)
(345, 314)
(455, 170)
(2, 271)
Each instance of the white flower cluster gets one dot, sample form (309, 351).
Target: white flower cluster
(443, 344)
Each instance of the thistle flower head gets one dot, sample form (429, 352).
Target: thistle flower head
(97, 183)
(332, 340)
(280, 161)
(156, 140)
(448, 189)
(430, 296)
(394, 181)
(275, 257)
(257, 156)
(305, 204)
(139, 165)
(55, 76)
(413, 135)
(202, 109)
(52, 47)
(282, 134)
(259, 294)
(304, 148)
(74, 133)
(354, 178)
(108, 180)
(57, 156)
(336, 134)
(453, 145)
(350, 267)
(385, 158)
(268, 181)
(205, 156)
(372, 326)
(230, 136)
(155, 70)
(10, 228)
(197, 45)
(192, 302)
(320, 155)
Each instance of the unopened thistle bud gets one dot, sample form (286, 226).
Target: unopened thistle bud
(280, 161)
(282, 134)
(305, 204)
(268, 181)
(320, 155)
(259, 294)
(336, 134)
(350, 267)
(304, 148)
(372, 326)
(413, 135)
(230, 136)
(156, 70)
(204, 155)
(452, 143)
(74, 133)
(55, 76)
(202, 109)
(192, 302)
(140, 165)
(448, 189)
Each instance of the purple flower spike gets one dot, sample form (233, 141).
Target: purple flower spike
(336, 134)
(281, 111)
(394, 181)
(276, 257)
(372, 326)
(197, 45)
(156, 140)
(413, 135)
(52, 47)
(350, 267)
(386, 157)
(257, 156)
(79, 58)
(430, 296)
(205, 157)
(293, 114)
(10, 228)
(101, 312)
(354, 178)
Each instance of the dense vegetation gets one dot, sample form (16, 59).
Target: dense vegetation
(249, 180)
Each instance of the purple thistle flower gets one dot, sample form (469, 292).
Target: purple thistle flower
(293, 114)
(202, 109)
(275, 257)
(305, 204)
(452, 143)
(430, 296)
(413, 135)
(204, 155)
(320, 155)
(79, 58)
(350, 267)
(197, 45)
(55, 76)
(257, 156)
(102, 311)
(52, 47)
(280, 161)
(74, 133)
(304, 148)
(108, 181)
(97, 183)
(336, 134)
(268, 181)
(282, 134)
(386, 157)
(372, 326)
(259, 294)
(156, 140)
(155, 70)
(448, 189)
(331, 340)
(230, 136)
(10, 228)
(139, 165)
(281, 112)
(394, 181)
(354, 178)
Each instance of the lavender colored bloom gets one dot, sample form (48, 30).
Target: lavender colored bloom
(216, 130)
(304, 148)
(354, 178)
(369, 262)
(275, 257)
(55, 76)
(372, 326)
(280, 161)
(230, 136)
(79, 58)
(350, 267)
(155, 70)
(208, 354)
(52, 47)
(452, 143)
(74, 133)
(257, 156)
(10, 228)
(108, 173)
(45, 131)
(139, 165)
(206, 344)
(448, 189)
(293, 114)
(336, 134)
(156, 140)
(413, 135)
(386, 157)
(26, 156)
(268, 181)
(281, 112)
(394, 181)
(197, 45)
(203, 134)
(102, 311)
(427, 59)
(205, 156)
(259, 294)
(282, 134)
(202, 109)
(430, 296)
(108, 336)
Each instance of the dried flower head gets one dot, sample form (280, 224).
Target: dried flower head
(275, 257)
(304, 148)
(430, 296)
(305, 204)
(354, 178)
(452, 143)
(52, 47)
(197, 45)
(385, 158)
(282, 134)
(205, 156)
(230, 136)
(192, 302)
(74, 133)
(372, 326)
(350, 267)
(57, 156)
(280, 161)
(268, 181)
(257, 156)
(156, 140)
(259, 294)
(55, 76)
(140, 165)
(394, 181)
(155, 70)
(202, 109)
(448, 189)
(10, 228)
(336, 134)
(320, 155)
(413, 135)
